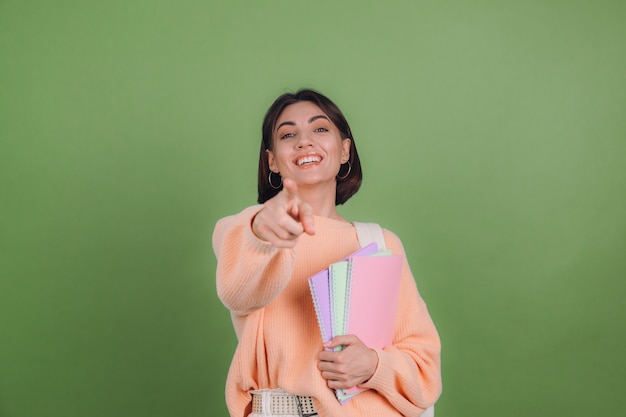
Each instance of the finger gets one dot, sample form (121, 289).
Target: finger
(286, 230)
(325, 366)
(301, 212)
(307, 219)
(330, 371)
(279, 242)
(290, 189)
(326, 356)
(268, 228)
(271, 231)
(337, 378)
(330, 360)
(291, 201)
(348, 339)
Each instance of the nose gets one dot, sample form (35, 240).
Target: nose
(304, 140)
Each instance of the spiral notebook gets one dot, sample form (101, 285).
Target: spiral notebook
(319, 285)
(358, 295)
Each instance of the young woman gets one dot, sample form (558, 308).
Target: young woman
(308, 165)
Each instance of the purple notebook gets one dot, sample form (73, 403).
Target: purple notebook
(320, 291)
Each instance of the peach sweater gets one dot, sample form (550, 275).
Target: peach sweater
(267, 293)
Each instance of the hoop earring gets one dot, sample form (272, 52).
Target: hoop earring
(269, 178)
(344, 176)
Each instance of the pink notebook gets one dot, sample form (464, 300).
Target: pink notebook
(374, 288)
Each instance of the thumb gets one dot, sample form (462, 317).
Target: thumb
(340, 340)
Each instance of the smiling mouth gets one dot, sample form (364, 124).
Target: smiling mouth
(311, 159)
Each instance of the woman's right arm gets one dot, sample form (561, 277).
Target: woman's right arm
(254, 249)
(250, 272)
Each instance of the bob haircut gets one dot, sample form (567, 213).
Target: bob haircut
(346, 187)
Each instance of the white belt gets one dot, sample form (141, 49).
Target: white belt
(280, 402)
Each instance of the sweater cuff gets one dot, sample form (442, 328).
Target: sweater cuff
(256, 243)
(382, 374)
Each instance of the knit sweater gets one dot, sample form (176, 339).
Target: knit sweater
(266, 290)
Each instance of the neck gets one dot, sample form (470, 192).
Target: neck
(321, 200)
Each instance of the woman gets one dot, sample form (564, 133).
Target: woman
(308, 164)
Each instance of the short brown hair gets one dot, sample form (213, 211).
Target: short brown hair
(346, 187)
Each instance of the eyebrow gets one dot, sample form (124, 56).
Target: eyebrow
(311, 120)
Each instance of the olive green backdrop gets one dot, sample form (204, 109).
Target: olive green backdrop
(493, 141)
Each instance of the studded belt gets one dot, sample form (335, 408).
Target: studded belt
(279, 402)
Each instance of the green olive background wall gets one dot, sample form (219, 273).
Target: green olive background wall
(493, 142)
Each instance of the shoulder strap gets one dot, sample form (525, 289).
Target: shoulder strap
(370, 232)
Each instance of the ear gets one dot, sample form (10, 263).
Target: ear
(272, 162)
(345, 150)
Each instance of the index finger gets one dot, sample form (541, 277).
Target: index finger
(290, 189)
(307, 219)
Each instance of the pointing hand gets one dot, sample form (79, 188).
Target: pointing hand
(284, 218)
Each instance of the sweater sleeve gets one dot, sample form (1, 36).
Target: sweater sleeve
(409, 371)
(250, 272)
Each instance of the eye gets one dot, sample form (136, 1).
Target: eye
(321, 129)
(287, 135)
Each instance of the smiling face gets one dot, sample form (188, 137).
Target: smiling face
(306, 146)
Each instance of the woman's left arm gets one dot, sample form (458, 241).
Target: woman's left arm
(408, 373)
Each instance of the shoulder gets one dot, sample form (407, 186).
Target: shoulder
(371, 232)
(392, 241)
(239, 221)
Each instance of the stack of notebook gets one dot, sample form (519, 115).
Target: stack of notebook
(358, 295)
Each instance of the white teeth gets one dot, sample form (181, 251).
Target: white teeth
(308, 160)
